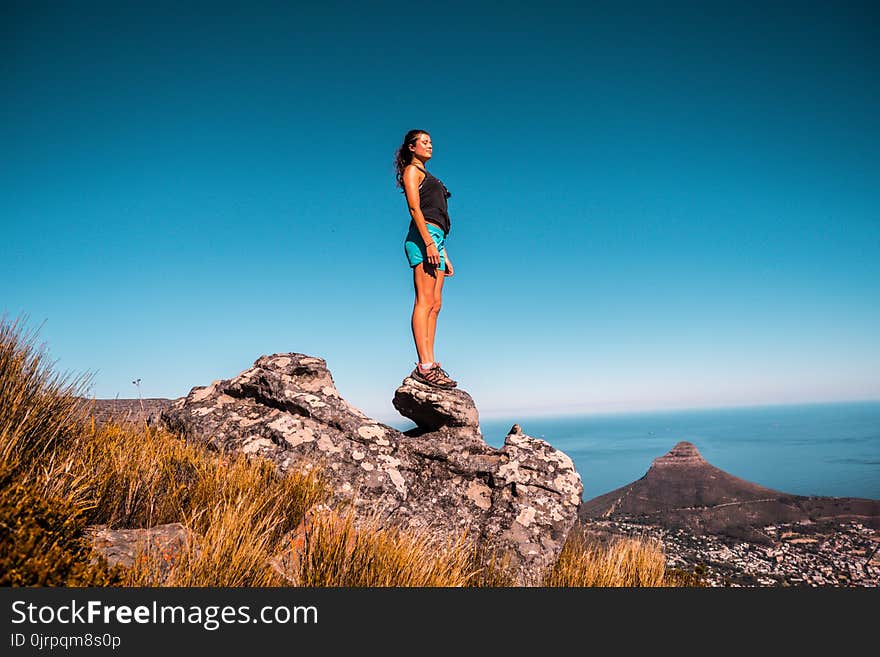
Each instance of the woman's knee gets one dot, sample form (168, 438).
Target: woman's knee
(425, 302)
(436, 304)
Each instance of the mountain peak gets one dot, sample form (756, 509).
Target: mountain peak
(684, 453)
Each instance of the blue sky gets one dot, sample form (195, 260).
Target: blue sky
(654, 205)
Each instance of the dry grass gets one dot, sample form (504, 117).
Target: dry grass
(337, 553)
(42, 510)
(128, 476)
(39, 409)
(621, 562)
(240, 511)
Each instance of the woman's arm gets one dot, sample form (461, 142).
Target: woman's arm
(411, 179)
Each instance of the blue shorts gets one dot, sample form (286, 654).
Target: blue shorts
(415, 247)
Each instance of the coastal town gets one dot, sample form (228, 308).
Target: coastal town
(796, 554)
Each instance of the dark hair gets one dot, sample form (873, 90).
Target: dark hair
(404, 156)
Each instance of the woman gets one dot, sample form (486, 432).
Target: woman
(425, 248)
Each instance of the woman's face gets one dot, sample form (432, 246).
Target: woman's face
(422, 148)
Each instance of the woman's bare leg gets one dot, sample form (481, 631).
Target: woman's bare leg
(423, 326)
(435, 311)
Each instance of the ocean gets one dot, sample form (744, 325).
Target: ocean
(806, 449)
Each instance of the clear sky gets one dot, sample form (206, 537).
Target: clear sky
(654, 205)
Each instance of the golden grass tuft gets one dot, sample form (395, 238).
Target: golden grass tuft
(337, 553)
(39, 409)
(239, 509)
(144, 477)
(622, 562)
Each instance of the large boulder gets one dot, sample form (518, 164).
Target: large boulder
(521, 499)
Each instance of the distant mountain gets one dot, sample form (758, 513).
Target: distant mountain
(682, 490)
(138, 411)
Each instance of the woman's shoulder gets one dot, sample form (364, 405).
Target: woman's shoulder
(415, 170)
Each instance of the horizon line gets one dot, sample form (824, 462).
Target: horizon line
(581, 412)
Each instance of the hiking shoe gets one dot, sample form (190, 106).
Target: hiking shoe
(433, 377)
(445, 374)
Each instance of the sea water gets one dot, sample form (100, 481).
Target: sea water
(807, 449)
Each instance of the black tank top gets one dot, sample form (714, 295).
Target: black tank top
(432, 201)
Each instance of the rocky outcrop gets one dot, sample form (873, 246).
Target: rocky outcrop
(521, 499)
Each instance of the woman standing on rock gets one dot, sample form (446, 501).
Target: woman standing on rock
(425, 248)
